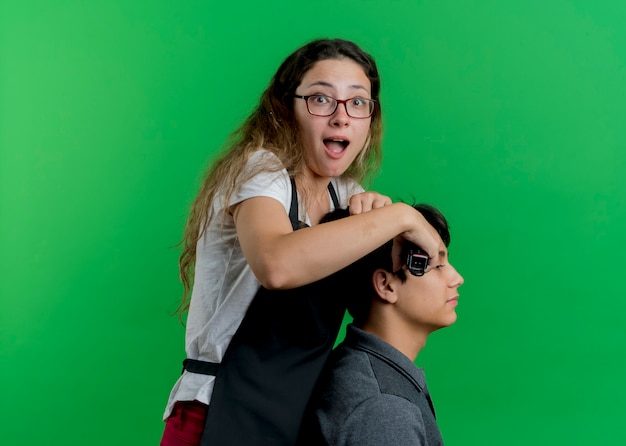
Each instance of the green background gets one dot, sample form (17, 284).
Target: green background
(509, 116)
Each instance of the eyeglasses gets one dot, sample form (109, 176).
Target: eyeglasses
(320, 105)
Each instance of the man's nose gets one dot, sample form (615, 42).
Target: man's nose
(457, 279)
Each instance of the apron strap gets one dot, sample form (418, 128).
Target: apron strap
(201, 367)
(293, 209)
(333, 195)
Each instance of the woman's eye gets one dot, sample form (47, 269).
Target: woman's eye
(358, 102)
(321, 99)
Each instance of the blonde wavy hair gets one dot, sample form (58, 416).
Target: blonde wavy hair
(272, 126)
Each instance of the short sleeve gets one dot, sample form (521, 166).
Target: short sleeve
(272, 183)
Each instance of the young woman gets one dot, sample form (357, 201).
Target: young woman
(263, 314)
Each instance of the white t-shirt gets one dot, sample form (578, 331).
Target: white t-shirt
(224, 284)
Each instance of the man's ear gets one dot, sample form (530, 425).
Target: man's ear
(385, 285)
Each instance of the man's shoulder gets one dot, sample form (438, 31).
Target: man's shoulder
(347, 381)
(348, 365)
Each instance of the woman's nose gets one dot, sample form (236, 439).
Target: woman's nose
(340, 118)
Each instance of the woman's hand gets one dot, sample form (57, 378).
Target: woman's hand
(366, 201)
(421, 234)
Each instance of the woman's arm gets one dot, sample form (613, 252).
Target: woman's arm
(282, 258)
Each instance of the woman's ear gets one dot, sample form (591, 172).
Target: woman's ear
(385, 285)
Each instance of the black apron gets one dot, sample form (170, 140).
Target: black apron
(273, 361)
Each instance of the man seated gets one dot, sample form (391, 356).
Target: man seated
(371, 392)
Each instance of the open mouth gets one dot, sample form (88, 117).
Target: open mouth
(336, 145)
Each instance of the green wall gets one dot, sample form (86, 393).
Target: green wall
(509, 116)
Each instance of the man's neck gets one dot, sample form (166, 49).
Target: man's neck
(408, 340)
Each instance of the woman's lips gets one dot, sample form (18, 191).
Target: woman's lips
(335, 146)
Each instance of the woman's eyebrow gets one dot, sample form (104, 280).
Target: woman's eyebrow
(328, 84)
(321, 83)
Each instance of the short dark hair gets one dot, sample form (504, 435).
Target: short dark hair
(358, 275)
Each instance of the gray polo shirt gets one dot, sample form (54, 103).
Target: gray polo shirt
(372, 394)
